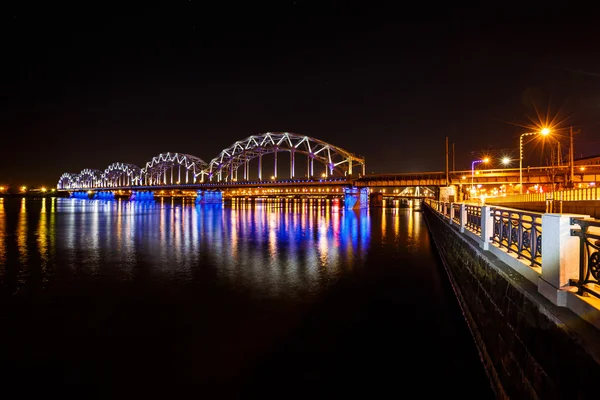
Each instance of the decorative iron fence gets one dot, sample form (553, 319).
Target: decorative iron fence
(447, 210)
(589, 256)
(473, 222)
(519, 232)
(456, 214)
(589, 193)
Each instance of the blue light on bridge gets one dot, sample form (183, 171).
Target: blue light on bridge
(80, 195)
(104, 196)
(356, 197)
(141, 195)
(209, 197)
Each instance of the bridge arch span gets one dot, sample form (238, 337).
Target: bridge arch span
(121, 174)
(336, 161)
(173, 168)
(89, 178)
(68, 180)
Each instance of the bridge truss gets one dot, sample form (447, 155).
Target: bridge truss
(232, 165)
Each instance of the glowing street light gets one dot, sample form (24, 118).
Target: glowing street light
(543, 132)
(485, 160)
(505, 160)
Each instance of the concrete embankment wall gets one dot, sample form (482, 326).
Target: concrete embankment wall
(530, 347)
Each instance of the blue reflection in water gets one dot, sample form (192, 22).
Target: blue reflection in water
(270, 248)
(167, 289)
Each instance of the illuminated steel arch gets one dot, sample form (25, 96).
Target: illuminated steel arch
(338, 161)
(89, 178)
(121, 174)
(172, 169)
(68, 180)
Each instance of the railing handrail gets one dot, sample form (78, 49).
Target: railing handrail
(589, 255)
(505, 230)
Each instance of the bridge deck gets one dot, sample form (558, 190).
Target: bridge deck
(542, 175)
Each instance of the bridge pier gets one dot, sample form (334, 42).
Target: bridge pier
(104, 195)
(209, 197)
(356, 198)
(376, 199)
(141, 195)
(80, 195)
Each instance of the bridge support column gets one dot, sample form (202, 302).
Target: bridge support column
(356, 198)
(560, 257)
(275, 164)
(104, 195)
(376, 199)
(141, 195)
(209, 197)
(80, 195)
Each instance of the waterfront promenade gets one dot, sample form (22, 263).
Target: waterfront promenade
(528, 286)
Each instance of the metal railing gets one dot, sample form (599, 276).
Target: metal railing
(473, 222)
(520, 232)
(589, 256)
(456, 215)
(589, 193)
(516, 231)
(447, 210)
(515, 237)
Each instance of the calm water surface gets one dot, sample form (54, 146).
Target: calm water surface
(282, 298)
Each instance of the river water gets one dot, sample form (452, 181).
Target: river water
(287, 298)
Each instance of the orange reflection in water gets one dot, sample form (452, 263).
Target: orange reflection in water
(396, 214)
(42, 235)
(383, 225)
(2, 237)
(22, 234)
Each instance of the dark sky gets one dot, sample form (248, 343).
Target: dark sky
(87, 85)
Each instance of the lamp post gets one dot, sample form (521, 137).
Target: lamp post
(485, 160)
(544, 131)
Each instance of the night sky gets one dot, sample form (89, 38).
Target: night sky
(87, 85)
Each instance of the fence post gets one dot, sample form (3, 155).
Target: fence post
(451, 213)
(560, 257)
(487, 227)
(463, 217)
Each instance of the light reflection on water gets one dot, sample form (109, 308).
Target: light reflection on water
(2, 237)
(174, 291)
(283, 248)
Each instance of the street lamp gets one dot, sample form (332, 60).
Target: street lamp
(485, 160)
(544, 132)
(506, 161)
